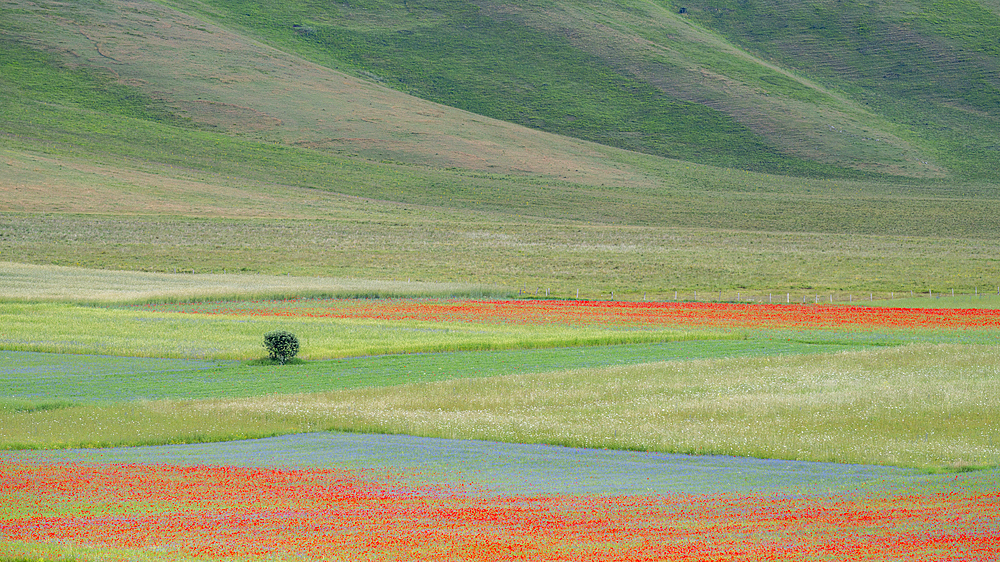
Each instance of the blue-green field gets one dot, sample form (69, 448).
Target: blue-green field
(506, 468)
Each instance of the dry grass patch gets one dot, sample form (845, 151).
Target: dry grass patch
(594, 259)
(75, 284)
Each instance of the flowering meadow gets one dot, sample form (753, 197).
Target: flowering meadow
(616, 313)
(225, 513)
(931, 405)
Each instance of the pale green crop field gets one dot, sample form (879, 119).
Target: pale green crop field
(25, 282)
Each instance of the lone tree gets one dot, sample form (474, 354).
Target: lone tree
(281, 345)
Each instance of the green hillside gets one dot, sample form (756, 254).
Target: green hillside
(694, 150)
(929, 66)
(634, 75)
(463, 55)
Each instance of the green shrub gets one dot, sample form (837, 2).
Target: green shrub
(281, 345)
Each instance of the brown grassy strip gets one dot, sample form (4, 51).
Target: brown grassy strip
(26, 282)
(739, 260)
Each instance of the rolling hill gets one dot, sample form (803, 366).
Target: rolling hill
(788, 87)
(643, 146)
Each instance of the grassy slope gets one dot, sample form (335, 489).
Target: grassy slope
(629, 74)
(928, 66)
(134, 109)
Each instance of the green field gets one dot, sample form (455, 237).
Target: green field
(72, 329)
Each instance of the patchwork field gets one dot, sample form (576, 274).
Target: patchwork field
(459, 413)
(573, 280)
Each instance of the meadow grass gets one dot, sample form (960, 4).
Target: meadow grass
(563, 258)
(67, 328)
(926, 406)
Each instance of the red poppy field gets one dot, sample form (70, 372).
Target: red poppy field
(617, 313)
(283, 514)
